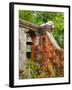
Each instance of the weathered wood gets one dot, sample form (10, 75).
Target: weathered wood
(22, 48)
(35, 28)
(52, 56)
(25, 24)
(53, 41)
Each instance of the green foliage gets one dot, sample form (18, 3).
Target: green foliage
(38, 17)
(33, 70)
(30, 70)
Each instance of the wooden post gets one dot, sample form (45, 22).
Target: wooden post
(22, 48)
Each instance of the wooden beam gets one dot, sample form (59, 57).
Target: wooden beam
(35, 28)
(28, 25)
